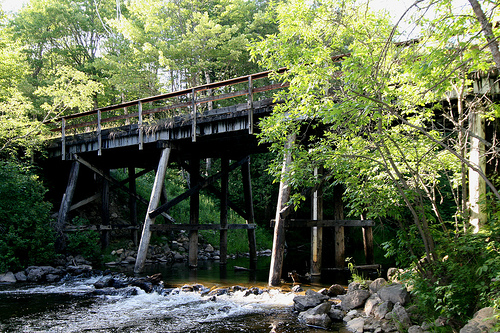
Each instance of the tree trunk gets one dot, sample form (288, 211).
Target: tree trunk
(487, 31)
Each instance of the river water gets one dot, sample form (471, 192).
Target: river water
(73, 306)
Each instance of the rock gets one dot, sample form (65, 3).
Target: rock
(336, 314)
(335, 290)
(356, 325)
(382, 309)
(143, 284)
(372, 325)
(79, 269)
(317, 316)
(104, 282)
(297, 289)
(396, 293)
(178, 257)
(377, 284)
(52, 278)
(399, 316)
(354, 286)
(8, 277)
(21, 277)
(370, 303)
(415, 329)
(209, 248)
(354, 299)
(310, 300)
(483, 321)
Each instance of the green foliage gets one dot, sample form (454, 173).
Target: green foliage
(237, 240)
(26, 237)
(85, 243)
(465, 280)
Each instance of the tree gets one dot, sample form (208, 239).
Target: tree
(379, 105)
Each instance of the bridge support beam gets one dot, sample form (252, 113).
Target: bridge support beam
(224, 183)
(64, 209)
(250, 216)
(132, 203)
(105, 234)
(278, 251)
(194, 212)
(316, 232)
(153, 204)
(338, 207)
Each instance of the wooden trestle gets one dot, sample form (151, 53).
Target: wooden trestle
(226, 133)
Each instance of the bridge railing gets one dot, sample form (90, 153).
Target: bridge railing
(190, 99)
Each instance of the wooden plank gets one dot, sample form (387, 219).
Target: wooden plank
(201, 185)
(247, 193)
(66, 204)
(105, 235)
(179, 227)
(132, 202)
(99, 134)
(373, 266)
(223, 209)
(278, 250)
(153, 203)
(194, 213)
(120, 184)
(303, 223)
(73, 228)
(250, 105)
(193, 116)
(63, 138)
(316, 232)
(338, 212)
(368, 244)
(141, 130)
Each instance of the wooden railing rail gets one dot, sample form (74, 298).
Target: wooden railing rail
(192, 103)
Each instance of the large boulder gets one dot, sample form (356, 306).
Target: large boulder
(8, 277)
(377, 284)
(310, 300)
(354, 299)
(370, 303)
(399, 316)
(483, 321)
(356, 325)
(317, 316)
(396, 293)
(38, 273)
(382, 309)
(335, 290)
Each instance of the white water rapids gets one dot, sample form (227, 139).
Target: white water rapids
(73, 307)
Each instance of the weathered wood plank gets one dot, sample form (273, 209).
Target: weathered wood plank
(153, 203)
(247, 193)
(303, 223)
(66, 204)
(223, 209)
(178, 227)
(194, 213)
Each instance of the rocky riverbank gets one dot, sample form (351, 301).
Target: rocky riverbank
(376, 306)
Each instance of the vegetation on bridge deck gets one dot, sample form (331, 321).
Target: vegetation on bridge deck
(404, 121)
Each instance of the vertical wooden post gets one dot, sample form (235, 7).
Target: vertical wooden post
(279, 227)
(194, 213)
(224, 183)
(193, 128)
(63, 139)
(66, 201)
(141, 131)
(250, 105)
(477, 185)
(247, 192)
(316, 232)
(338, 207)
(153, 204)
(368, 244)
(132, 203)
(99, 133)
(105, 209)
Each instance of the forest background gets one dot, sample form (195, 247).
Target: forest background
(397, 113)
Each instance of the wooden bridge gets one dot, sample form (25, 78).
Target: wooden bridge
(216, 120)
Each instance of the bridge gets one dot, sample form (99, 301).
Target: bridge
(216, 120)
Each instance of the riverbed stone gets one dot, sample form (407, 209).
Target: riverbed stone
(377, 284)
(482, 322)
(317, 316)
(310, 300)
(396, 293)
(399, 316)
(382, 309)
(415, 329)
(21, 276)
(356, 325)
(354, 299)
(8, 277)
(370, 303)
(105, 281)
(336, 314)
(335, 290)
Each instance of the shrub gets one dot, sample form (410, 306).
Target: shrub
(26, 237)
(85, 242)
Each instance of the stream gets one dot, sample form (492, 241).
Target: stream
(73, 305)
